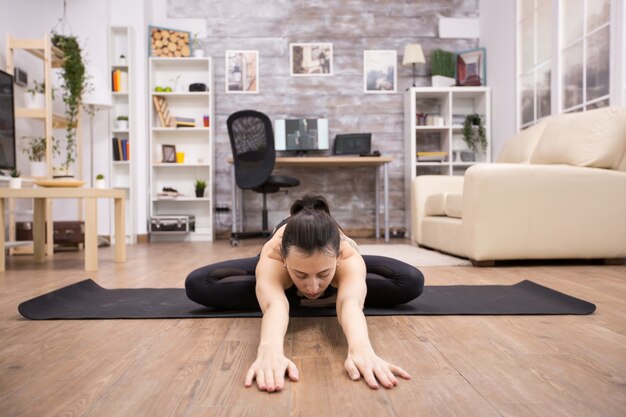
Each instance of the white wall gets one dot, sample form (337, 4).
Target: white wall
(497, 35)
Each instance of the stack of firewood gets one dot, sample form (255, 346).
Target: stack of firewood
(169, 43)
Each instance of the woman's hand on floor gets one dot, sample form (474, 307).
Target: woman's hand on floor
(366, 363)
(269, 370)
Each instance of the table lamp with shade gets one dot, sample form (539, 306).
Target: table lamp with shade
(97, 98)
(413, 54)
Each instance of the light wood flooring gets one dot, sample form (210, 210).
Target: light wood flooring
(461, 366)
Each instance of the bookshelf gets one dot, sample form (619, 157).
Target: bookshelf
(181, 144)
(121, 168)
(51, 58)
(433, 118)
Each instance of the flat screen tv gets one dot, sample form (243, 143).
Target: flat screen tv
(7, 122)
(301, 135)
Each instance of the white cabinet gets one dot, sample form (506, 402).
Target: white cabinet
(181, 142)
(433, 119)
(122, 122)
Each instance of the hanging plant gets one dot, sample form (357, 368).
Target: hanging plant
(474, 133)
(74, 85)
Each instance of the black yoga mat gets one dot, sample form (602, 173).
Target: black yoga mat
(88, 300)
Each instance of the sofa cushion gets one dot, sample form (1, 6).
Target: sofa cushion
(519, 148)
(595, 138)
(454, 205)
(435, 205)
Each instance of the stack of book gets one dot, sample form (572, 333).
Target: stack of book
(121, 149)
(119, 81)
(437, 156)
(185, 121)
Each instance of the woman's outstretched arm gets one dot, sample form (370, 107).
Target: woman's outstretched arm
(361, 359)
(271, 364)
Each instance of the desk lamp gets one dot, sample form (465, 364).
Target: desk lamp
(413, 55)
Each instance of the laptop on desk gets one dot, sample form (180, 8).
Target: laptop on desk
(352, 144)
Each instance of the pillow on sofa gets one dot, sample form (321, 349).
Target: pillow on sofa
(595, 138)
(435, 205)
(520, 147)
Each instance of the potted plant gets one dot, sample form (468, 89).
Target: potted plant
(35, 150)
(35, 98)
(100, 182)
(195, 45)
(74, 85)
(442, 68)
(121, 123)
(15, 181)
(200, 186)
(474, 133)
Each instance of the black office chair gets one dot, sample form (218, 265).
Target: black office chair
(252, 142)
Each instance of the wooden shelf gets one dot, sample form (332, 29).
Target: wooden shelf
(58, 121)
(37, 47)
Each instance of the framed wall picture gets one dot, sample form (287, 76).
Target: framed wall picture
(169, 153)
(380, 71)
(170, 43)
(311, 59)
(242, 72)
(471, 67)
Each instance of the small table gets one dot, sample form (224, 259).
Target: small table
(376, 162)
(90, 196)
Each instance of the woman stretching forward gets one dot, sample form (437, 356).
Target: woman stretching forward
(309, 261)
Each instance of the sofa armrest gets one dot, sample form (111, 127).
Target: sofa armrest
(516, 211)
(424, 186)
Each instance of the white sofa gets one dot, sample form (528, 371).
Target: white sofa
(557, 191)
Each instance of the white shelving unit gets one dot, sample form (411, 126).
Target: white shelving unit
(121, 171)
(196, 143)
(438, 148)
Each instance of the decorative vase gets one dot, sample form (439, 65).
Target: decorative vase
(35, 101)
(121, 124)
(62, 172)
(101, 184)
(37, 169)
(15, 182)
(198, 53)
(441, 81)
(199, 192)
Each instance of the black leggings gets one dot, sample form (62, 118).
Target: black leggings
(231, 284)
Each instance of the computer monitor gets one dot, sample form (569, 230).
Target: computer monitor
(353, 144)
(301, 135)
(7, 122)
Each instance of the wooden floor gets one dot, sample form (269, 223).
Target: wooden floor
(461, 366)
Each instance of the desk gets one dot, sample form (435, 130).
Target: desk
(377, 162)
(90, 195)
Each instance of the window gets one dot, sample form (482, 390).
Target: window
(585, 51)
(534, 63)
(574, 78)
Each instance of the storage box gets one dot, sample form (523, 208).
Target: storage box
(65, 232)
(172, 224)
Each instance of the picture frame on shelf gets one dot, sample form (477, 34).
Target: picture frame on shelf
(380, 71)
(471, 67)
(169, 153)
(169, 43)
(311, 59)
(242, 72)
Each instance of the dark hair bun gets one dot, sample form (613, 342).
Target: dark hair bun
(310, 202)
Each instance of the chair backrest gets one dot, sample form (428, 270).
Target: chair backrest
(252, 142)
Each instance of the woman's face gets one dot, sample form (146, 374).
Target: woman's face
(311, 274)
